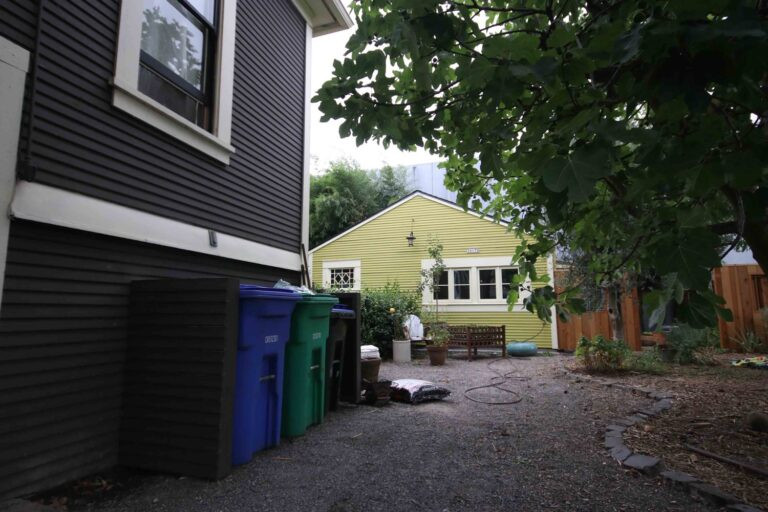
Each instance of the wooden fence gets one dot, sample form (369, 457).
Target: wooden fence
(745, 290)
(599, 323)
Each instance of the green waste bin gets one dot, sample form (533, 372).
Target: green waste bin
(304, 385)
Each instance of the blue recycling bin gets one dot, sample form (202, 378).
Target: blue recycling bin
(265, 326)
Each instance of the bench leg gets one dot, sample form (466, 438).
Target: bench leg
(504, 350)
(469, 352)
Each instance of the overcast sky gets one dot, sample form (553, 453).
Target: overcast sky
(325, 143)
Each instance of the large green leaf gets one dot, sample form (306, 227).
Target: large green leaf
(577, 172)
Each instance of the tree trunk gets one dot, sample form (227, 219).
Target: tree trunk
(756, 235)
(614, 314)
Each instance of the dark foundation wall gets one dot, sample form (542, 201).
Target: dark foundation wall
(80, 142)
(63, 330)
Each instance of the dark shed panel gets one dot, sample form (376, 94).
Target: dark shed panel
(81, 143)
(180, 376)
(63, 328)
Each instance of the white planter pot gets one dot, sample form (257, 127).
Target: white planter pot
(401, 351)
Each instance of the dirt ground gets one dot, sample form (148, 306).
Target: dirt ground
(710, 412)
(542, 453)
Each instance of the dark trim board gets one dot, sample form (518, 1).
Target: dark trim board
(63, 341)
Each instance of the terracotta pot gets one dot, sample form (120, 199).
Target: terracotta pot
(369, 369)
(437, 355)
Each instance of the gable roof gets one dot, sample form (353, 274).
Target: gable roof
(412, 195)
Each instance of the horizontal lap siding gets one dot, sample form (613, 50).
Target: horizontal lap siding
(82, 143)
(63, 330)
(17, 21)
(520, 325)
(385, 256)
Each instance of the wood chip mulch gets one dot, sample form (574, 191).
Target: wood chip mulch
(709, 412)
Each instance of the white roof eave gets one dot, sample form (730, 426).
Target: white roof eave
(324, 16)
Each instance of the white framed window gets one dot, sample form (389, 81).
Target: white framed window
(344, 275)
(488, 283)
(460, 286)
(507, 274)
(441, 291)
(475, 283)
(175, 69)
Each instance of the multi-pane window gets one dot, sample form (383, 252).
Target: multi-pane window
(441, 286)
(489, 285)
(507, 275)
(178, 39)
(343, 278)
(461, 285)
(487, 279)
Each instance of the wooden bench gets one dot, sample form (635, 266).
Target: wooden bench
(473, 337)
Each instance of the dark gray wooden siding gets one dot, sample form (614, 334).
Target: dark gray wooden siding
(81, 143)
(180, 376)
(17, 21)
(63, 331)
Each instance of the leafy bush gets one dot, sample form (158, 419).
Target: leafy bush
(602, 355)
(684, 340)
(378, 324)
(646, 361)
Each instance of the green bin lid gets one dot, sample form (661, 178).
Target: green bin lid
(323, 298)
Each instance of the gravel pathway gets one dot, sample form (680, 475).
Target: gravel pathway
(543, 453)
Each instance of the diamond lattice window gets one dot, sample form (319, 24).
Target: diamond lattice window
(343, 277)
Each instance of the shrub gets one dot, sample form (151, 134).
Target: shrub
(602, 355)
(684, 340)
(377, 323)
(646, 361)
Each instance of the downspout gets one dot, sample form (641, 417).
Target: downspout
(27, 169)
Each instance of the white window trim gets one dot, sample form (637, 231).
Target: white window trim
(475, 303)
(452, 283)
(127, 97)
(333, 264)
(497, 284)
(14, 63)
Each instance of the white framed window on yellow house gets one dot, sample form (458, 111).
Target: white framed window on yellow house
(454, 285)
(494, 283)
(175, 69)
(477, 282)
(342, 275)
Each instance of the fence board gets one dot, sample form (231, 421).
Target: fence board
(588, 325)
(745, 290)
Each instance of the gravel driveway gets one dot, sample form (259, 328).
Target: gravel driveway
(543, 453)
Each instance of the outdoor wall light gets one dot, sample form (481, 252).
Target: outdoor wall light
(410, 237)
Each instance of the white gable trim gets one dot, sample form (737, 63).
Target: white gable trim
(403, 201)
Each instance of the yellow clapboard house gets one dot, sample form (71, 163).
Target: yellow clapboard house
(477, 253)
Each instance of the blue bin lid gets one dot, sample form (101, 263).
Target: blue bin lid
(252, 291)
(342, 311)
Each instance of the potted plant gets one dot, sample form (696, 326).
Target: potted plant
(437, 349)
(430, 280)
